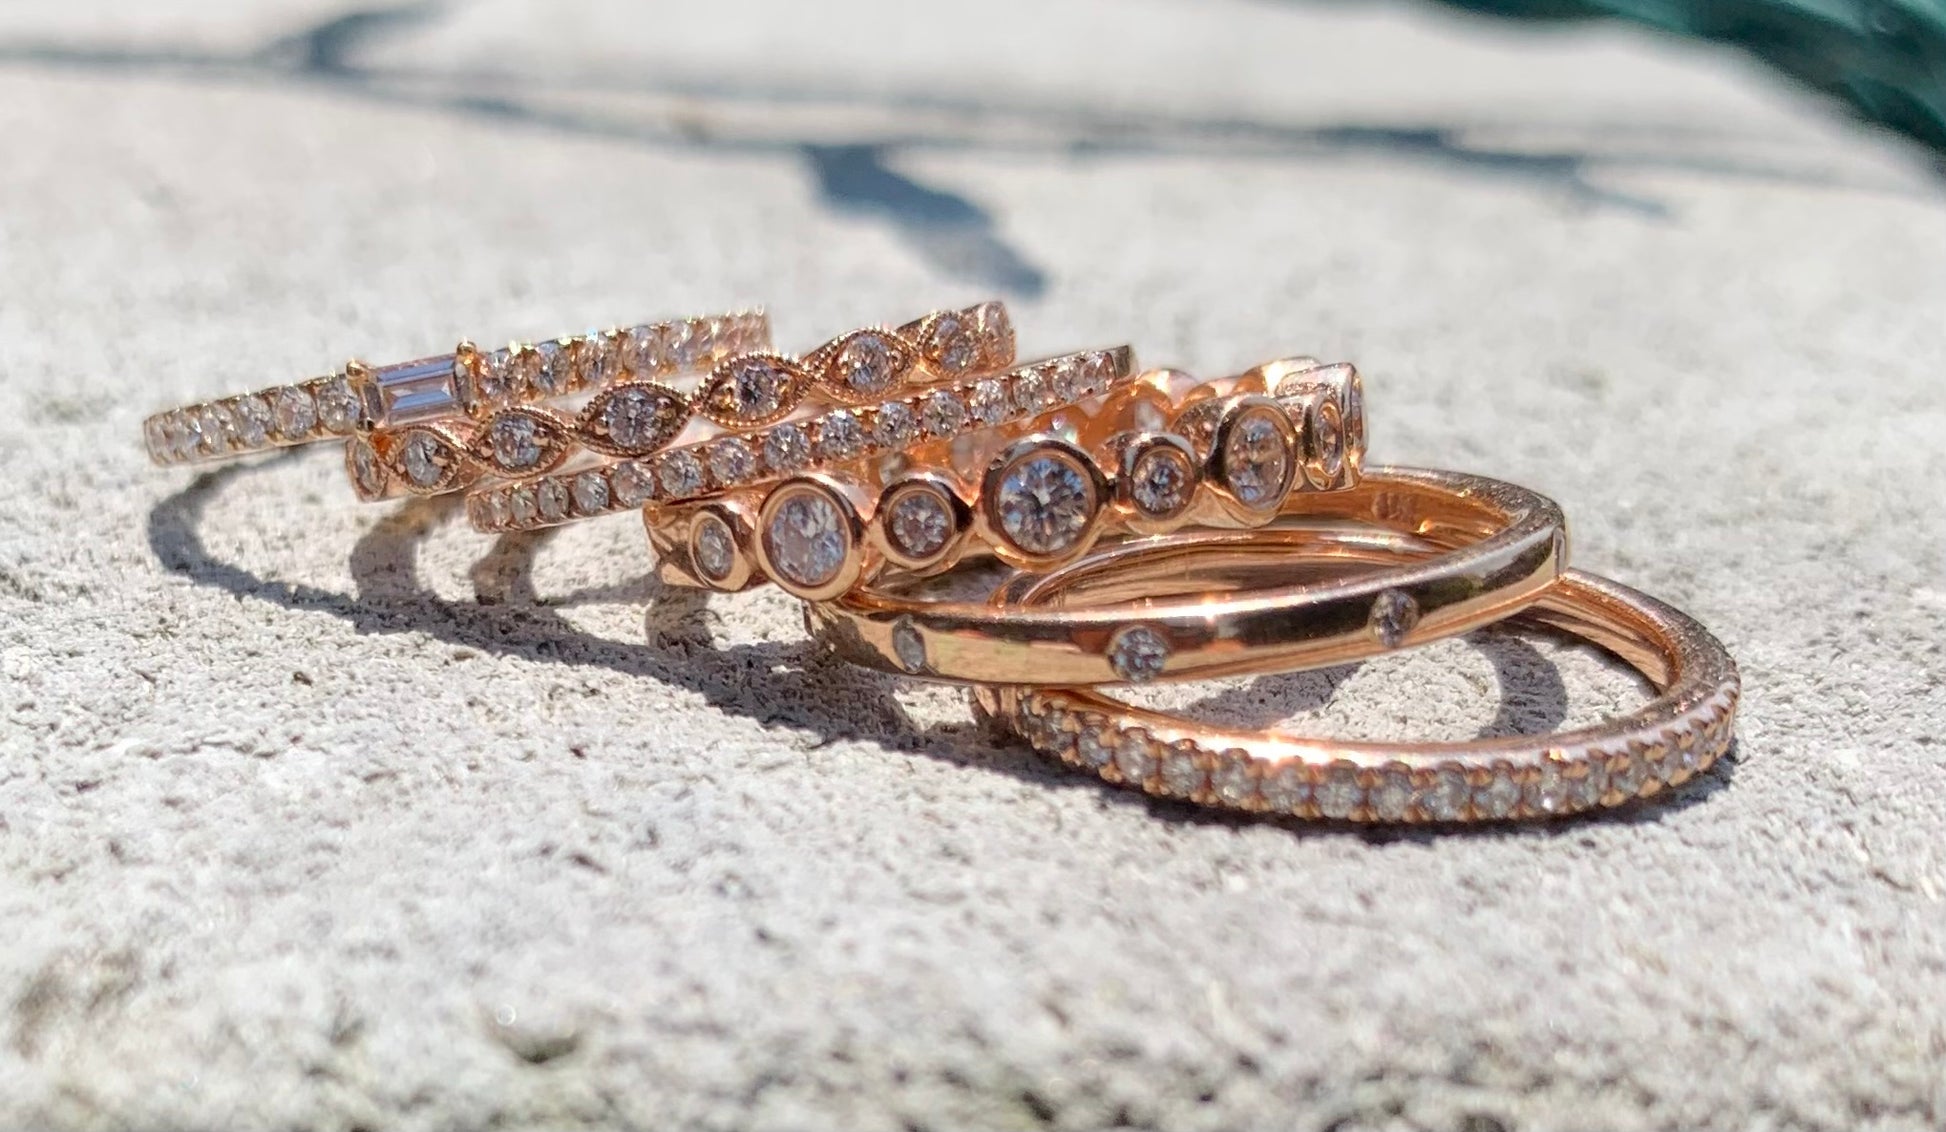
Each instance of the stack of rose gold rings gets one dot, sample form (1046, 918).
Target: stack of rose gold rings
(1148, 526)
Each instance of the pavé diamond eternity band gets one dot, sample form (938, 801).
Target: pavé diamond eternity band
(764, 416)
(1152, 454)
(382, 412)
(636, 415)
(1680, 733)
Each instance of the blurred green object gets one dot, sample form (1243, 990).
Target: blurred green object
(1887, 58)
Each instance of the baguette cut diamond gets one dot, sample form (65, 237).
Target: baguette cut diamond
(416, 391)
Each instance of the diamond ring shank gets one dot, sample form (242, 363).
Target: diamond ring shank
(1680, 733)
(1074, 459)
(757, 417)
(1500, 547)
(380, 407)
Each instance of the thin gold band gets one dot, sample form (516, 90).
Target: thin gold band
(471, 381)
(1680, 733)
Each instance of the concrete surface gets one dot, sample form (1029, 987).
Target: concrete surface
(315, 815)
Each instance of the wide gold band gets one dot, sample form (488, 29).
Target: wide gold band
(1687, 726)
(1499, 547)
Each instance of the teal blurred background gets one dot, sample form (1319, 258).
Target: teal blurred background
(1886, 58)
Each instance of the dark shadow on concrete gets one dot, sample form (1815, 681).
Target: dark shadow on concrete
(790, 683)
(328, 47)
(959, 238)
(1533, 698)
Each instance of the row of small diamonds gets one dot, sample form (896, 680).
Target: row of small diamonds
(641, 418)
(786, 449)
(319, 409)
(328, 407)
(523, 371)
(1563, 782)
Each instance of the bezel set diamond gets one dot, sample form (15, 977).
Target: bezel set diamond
(1042, 500)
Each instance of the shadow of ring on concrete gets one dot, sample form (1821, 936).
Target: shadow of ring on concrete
(792, 684)
(787, 683)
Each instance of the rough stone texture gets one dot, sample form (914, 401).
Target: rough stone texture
(321, 815)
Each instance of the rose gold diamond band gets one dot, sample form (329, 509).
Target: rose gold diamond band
(764, 416)
(1153, 454)
(1680, 733)
(634, 418)
(468, 383)
(807, 442)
